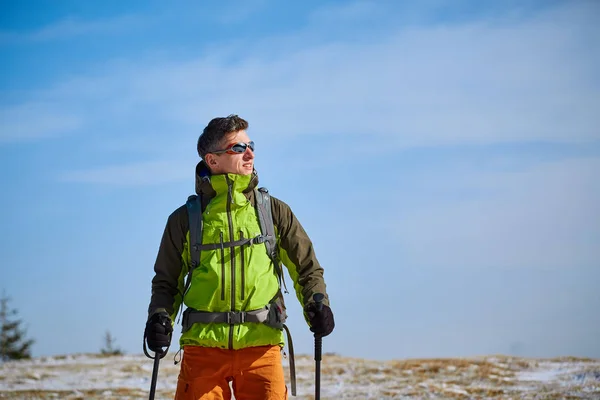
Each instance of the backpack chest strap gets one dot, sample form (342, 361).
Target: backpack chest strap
(241, 242)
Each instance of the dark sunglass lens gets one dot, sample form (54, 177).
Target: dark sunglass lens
(239, 147)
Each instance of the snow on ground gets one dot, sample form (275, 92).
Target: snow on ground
(88, 376)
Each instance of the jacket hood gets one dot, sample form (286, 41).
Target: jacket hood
(204, 187)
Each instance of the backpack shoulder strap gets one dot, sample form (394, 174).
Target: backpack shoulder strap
(194, 208)
(265, 219)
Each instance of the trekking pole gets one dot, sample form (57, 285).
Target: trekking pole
(154, 376)
(318, 299)
(157, 356)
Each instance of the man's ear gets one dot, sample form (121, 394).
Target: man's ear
(211, 161)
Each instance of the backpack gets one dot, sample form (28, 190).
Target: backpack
(274, 313)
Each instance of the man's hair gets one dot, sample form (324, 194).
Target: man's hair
(216, 130)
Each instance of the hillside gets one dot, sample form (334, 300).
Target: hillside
(85, 376)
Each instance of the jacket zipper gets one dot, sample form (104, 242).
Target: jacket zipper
(232, 251)
(222, 268)
(243, 273)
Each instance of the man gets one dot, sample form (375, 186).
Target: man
(235, 281)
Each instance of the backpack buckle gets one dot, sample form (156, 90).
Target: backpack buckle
(258, 239)
(236, 317)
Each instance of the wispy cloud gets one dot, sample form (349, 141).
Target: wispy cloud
(525, 80)
(545, 216)
(349, 12)
(132, 174)
(241, 12)
(32, 121)
(72, 26)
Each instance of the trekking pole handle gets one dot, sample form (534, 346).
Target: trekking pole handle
(318, 299)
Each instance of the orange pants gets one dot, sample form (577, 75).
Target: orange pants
(256, 373)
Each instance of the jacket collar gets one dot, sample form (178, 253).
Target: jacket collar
(208, 185)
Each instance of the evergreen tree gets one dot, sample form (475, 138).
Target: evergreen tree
(13, 345)
(109, 346)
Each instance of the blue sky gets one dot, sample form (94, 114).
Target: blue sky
(444, 157)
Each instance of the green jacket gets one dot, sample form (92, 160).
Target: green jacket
(238, 278)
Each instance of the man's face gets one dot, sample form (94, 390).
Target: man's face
(238, 163)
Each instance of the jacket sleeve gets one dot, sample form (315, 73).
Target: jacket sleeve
(171, 266)
(297, 254)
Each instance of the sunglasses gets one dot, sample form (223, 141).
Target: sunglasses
(236, 148)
